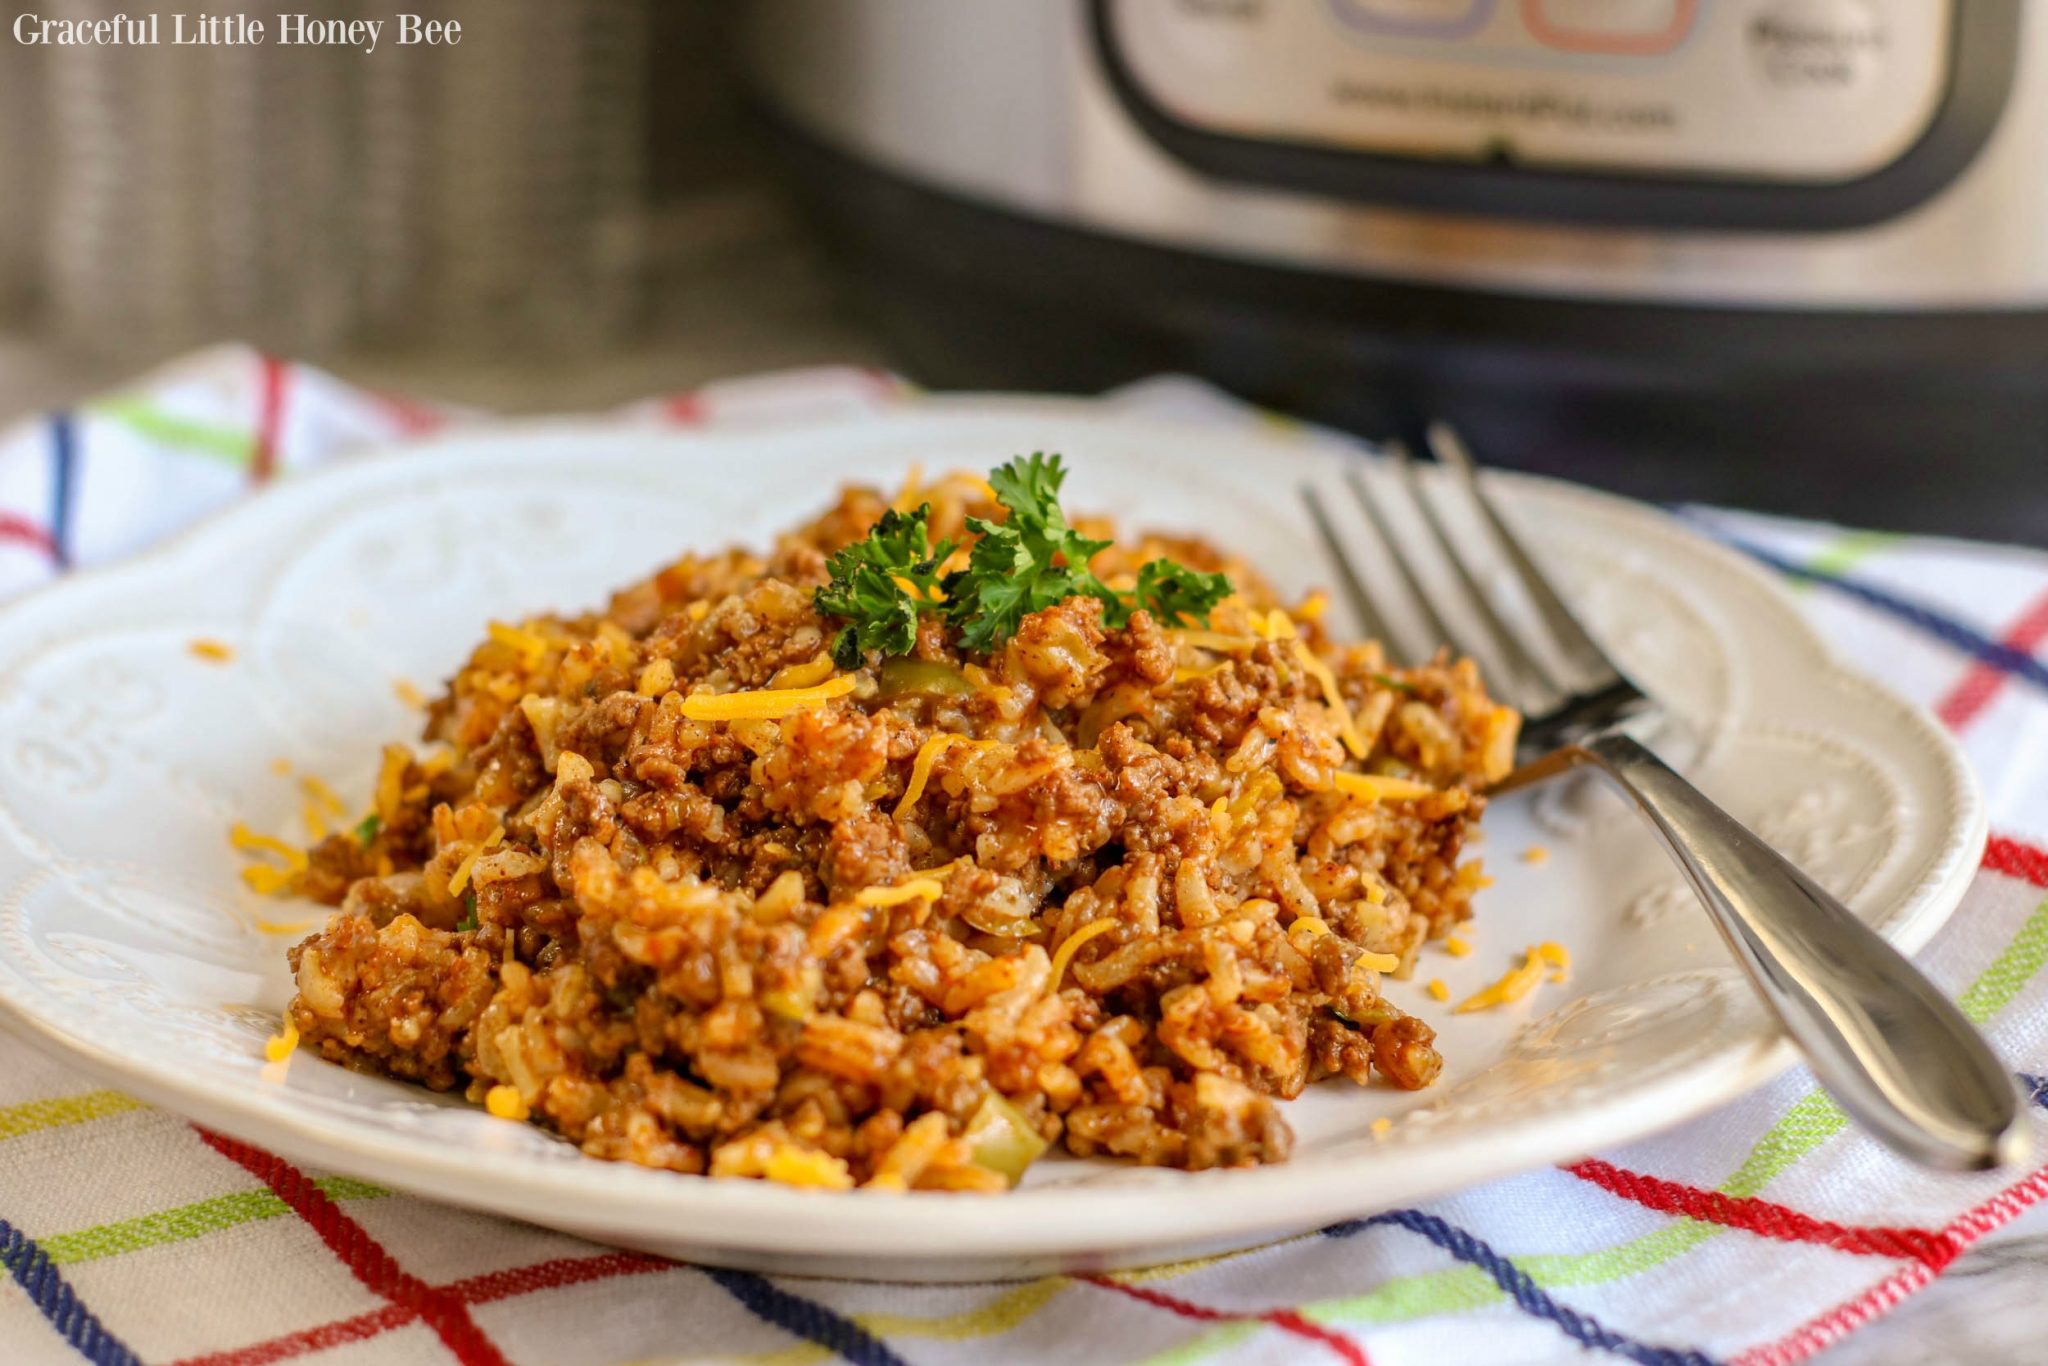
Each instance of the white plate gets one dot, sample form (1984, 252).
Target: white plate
(127, 940)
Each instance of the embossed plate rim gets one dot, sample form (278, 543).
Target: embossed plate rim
(764, 1225)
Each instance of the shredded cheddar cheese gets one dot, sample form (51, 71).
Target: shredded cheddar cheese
(1216, 640)
(794, 1166)
(1377, 962)
(1273, 625)
(1374, 787)
(212, 651)
(1313, 606)
(406, 692)
(506, 1103)
(247, 840)
(265, 880)
(262, 877)
(1437, 989)
(1382, 1126)
(321, 805)
(1517, 982)
(391, 781)
(921, 767)
(1071, 945)
(1456, 947)
(928, 888)
(462, 869)
(908, 497)
(325, 795)
(931, 593)
(764, 705)
(806, 675)
(1347, 728)
(281, 766)
(282, 1045)
(1535, 853)
(281, 927)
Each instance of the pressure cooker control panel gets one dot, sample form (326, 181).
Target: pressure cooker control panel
(1797, 92)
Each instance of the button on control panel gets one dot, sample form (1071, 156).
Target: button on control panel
(1631, 28)
(1808, 92)
(1445, 19)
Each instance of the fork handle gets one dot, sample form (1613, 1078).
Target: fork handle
(1886, 1043)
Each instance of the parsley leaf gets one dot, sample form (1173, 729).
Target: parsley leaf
(1031, 560)
(367, 828)
(1173, 592)
(867, 587)
(1026, 563)
(468, 921)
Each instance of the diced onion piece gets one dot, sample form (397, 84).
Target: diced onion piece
(656, 678)
(1000, 1137)
(902, 676)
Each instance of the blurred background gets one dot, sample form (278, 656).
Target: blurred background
(1788, 254)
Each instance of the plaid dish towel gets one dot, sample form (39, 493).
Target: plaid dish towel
(1758, 1234)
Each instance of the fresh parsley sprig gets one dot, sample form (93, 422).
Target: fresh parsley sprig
(867, 588)
(1029, 561)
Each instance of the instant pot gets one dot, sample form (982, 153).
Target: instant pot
(1785, 253)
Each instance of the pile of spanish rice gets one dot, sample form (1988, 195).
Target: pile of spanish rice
(673, 883)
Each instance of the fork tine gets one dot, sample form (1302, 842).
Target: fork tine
(1369, 619)
(1412, 574)
(1581, 649)
(1527, 670)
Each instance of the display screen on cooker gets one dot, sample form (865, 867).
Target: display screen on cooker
(1807, 91)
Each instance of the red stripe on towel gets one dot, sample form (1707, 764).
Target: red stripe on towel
(364, 1257)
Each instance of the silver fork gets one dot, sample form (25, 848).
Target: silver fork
(1894, 1051)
